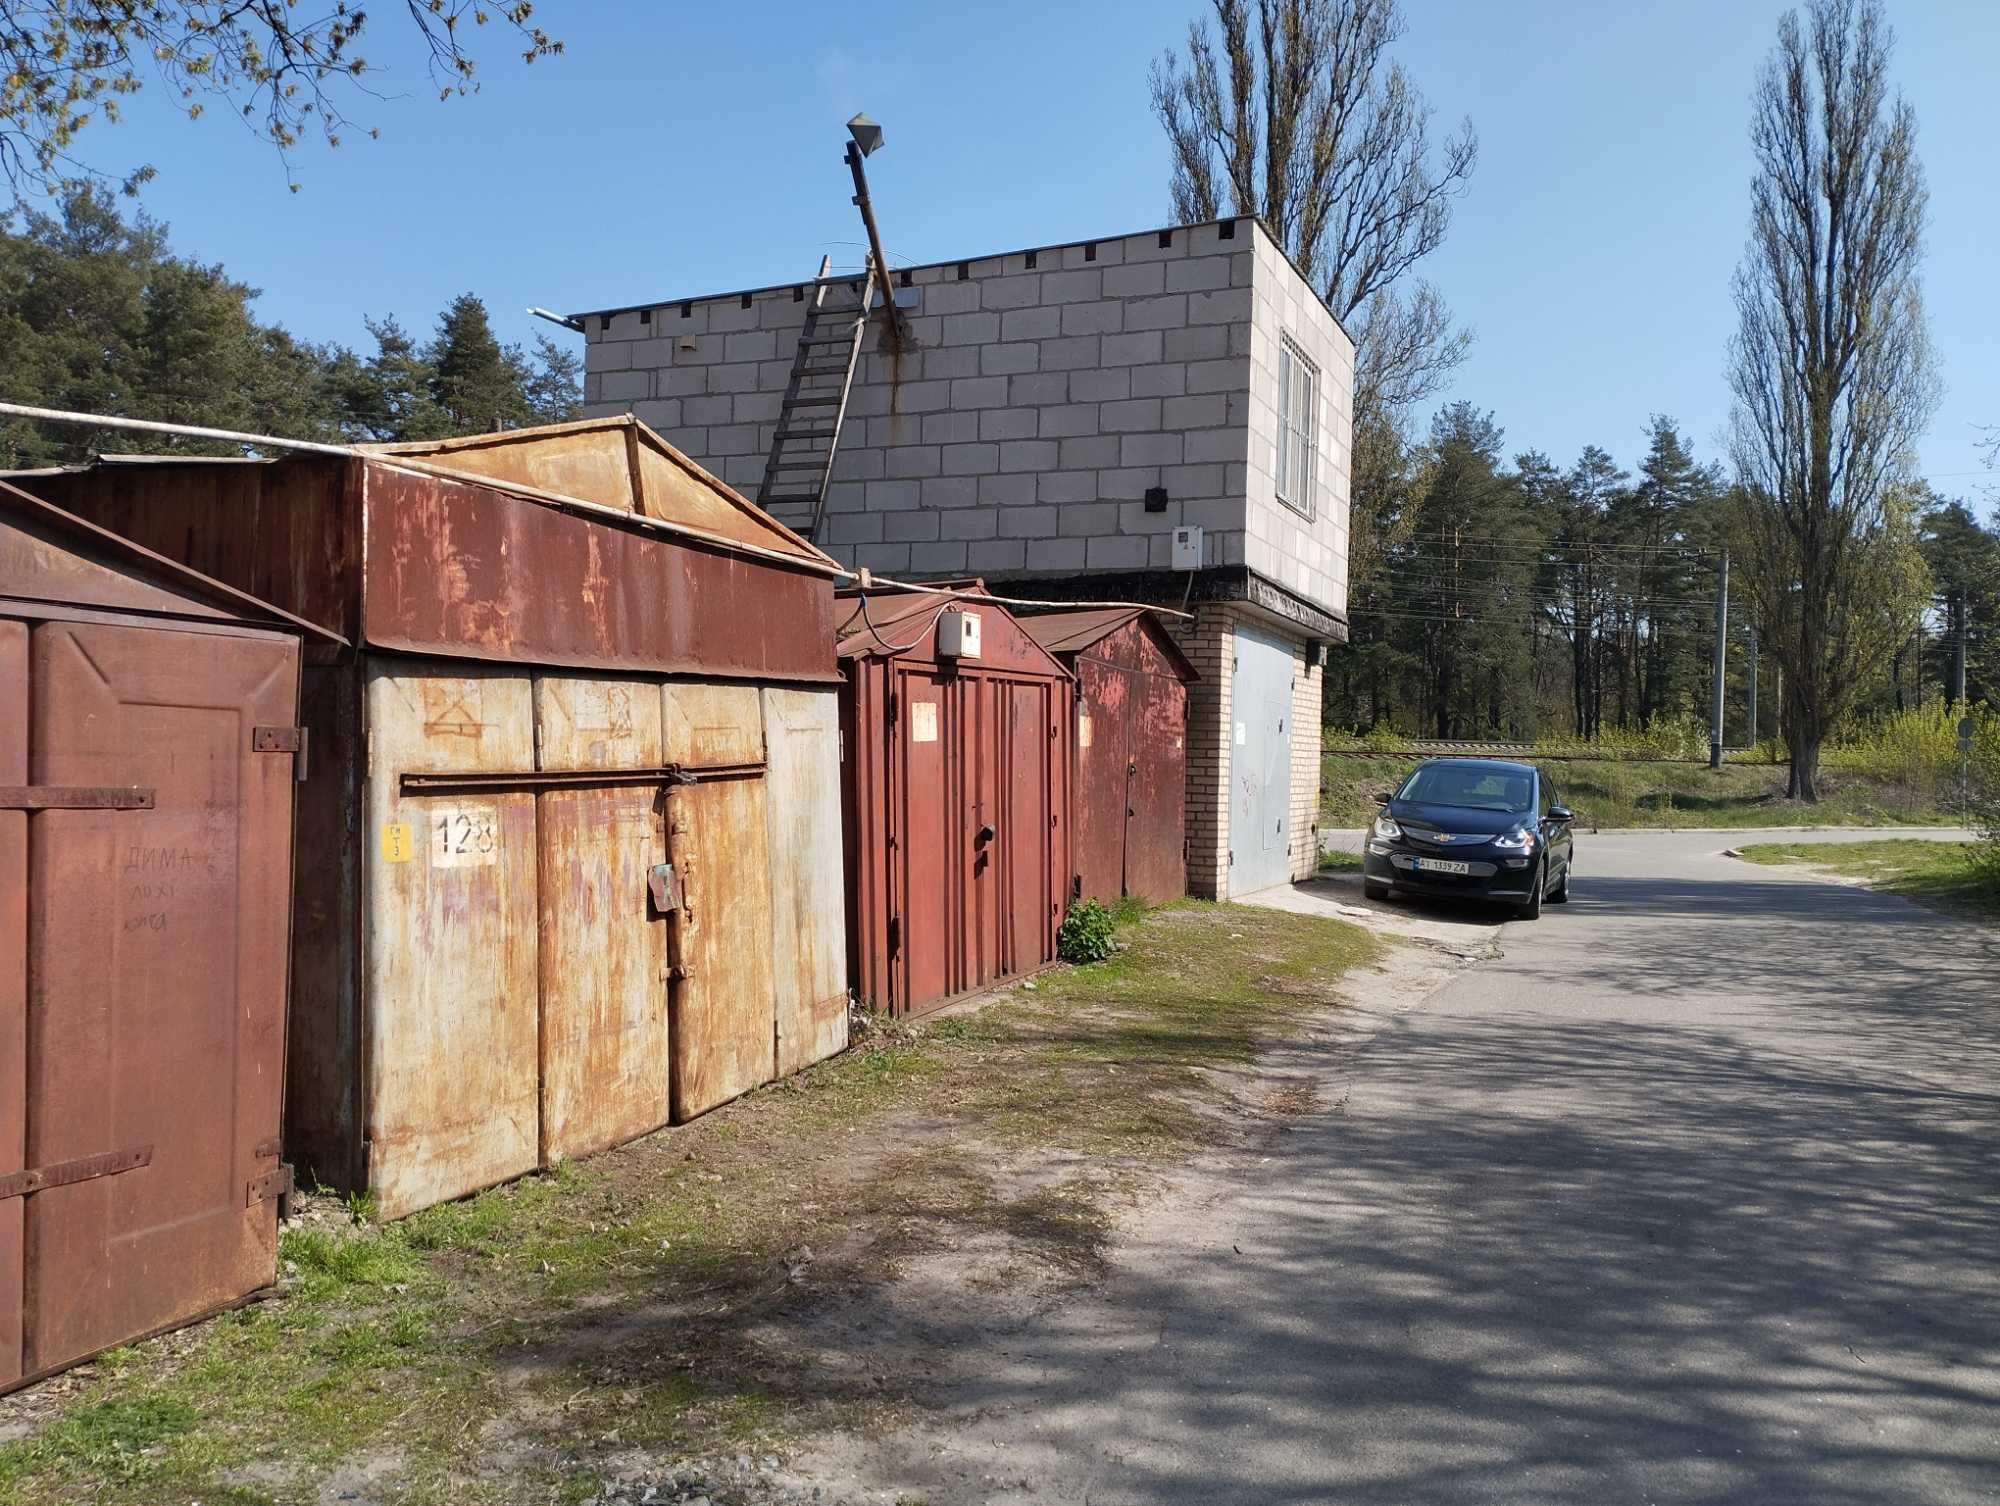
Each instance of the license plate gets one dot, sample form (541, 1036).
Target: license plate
(1440, 865)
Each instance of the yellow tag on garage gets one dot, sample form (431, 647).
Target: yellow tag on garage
(399, 842)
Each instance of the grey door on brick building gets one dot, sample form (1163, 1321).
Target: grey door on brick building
(1260, 763)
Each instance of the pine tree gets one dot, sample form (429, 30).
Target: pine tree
(474, 380)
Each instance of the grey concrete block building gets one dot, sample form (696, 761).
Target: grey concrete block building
(1053, 417)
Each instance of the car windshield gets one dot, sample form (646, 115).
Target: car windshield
(1472, 788)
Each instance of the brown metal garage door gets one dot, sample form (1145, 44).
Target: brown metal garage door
(145, 1036)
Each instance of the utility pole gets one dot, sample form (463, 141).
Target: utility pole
(1958, 659)
(1721, 660)
(1754, 737)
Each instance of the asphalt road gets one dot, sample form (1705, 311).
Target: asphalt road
(1692, 1195)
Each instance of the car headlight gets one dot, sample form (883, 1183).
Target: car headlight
(1520, 839)
(1387, 829)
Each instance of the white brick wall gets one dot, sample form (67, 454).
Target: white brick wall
(1042, 401)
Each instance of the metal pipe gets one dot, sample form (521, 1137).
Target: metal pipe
(1958, 661)
(898, 332)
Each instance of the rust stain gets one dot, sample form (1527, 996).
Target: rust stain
(604, 1026)
(13, 990)
(451, 954)
(722, 1000)
(808, 893)
(156, 949)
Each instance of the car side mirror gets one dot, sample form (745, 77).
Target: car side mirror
(1561, 813)
(1383, 797)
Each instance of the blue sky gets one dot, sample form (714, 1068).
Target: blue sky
(681, 149)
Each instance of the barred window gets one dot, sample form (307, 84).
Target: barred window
(1298, 406)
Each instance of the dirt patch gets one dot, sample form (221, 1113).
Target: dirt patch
(675, 1313)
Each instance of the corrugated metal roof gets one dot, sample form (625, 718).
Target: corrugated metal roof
(618, 462)
(1072, 632)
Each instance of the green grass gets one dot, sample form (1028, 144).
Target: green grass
(637, 1292)
(1631, 792)
(1340, 861)
(1959, 878)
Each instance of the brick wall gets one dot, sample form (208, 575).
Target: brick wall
(1209, 643)
(1307, 684)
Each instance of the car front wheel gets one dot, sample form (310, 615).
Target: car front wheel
(1560, 894)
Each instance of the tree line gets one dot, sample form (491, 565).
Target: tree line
(1521, 598)
(99, 314)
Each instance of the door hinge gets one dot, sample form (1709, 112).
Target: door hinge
(895, 708)
(895, 934)
(282, 740)
(81, 1169)
(275, 1183)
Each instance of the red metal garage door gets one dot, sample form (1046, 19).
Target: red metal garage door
(13, 987)
(156, 944)
(1156, 826)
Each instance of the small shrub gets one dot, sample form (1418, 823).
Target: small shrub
(1086, 932)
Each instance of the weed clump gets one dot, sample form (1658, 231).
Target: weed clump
(1086, 932)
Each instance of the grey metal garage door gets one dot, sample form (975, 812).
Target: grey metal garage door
(1260, 763)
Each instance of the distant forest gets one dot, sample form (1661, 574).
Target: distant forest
(100, 314)
(1492, 598)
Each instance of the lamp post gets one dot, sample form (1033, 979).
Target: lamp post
(867, 139)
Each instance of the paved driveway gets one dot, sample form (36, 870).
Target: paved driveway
(1690, 1195)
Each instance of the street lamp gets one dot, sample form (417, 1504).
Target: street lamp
(867, 135)
(868, 139)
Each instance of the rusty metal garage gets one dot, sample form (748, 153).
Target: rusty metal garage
(957, 796)
(1130, 749)
(573, 843)
(148, 734)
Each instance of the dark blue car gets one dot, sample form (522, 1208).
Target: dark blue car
(1472, 828)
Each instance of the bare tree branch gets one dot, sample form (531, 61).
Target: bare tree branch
(1296, 114)
(66, 64)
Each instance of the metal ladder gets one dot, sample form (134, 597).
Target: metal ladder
(803, 445)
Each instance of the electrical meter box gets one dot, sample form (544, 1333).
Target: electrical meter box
(958, 635)
(1187, 548)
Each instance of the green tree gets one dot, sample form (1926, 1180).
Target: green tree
(554, 384)
(1964, 561)
(97, 315)
(68, 64)
(388, 397)
(1831, 369)
(1464, 580)
(1659, 523)
(478, 383)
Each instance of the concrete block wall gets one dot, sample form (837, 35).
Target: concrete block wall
(1049, 390)
(1302, 547)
